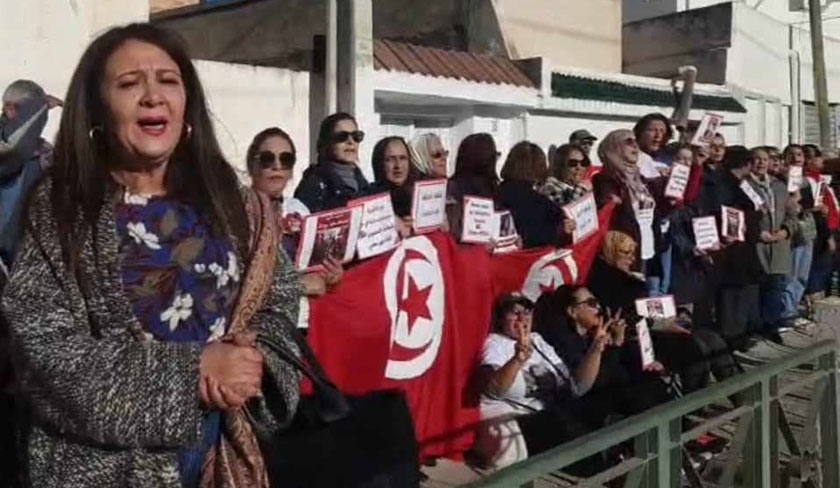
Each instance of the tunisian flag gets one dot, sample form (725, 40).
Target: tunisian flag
(415, 320)
(536, 271)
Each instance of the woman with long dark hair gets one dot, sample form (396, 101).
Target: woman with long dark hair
(132, 265)
(475, 175)
(336, 178)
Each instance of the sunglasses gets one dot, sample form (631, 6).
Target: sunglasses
(589, 302)
(575, 163)
(339, 137)
(266, 159)
(439, 154)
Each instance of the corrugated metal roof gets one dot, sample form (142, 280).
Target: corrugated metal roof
(572, 86)
(429, 61)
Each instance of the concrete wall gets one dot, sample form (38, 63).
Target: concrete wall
(658, 46)
(759, 57)
(567, 32)
(778, 9)
(245, 100)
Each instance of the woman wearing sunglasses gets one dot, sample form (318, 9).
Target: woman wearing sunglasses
(572, 320)
(642, 206)
(567, 181)
(526, 388)
(271, 159)
(336, 178)
(429, 156)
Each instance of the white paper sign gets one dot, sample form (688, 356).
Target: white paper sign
(794, 179)
(645, 343)
(378, 228)
(477, 225)
(332, 233)
(584, 213)
(644, 211)
(705, 232)
(428, 206)
(656, 308)
(747, 188)
(677, 181)
(733, 223)
(504, 232)
(707, 129)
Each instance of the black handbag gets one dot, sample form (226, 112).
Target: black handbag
(337, 441)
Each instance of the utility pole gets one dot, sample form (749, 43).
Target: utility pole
(820, 84)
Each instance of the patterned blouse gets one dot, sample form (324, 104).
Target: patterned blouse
(560, 192)
(181, 281)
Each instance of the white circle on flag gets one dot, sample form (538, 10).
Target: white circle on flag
(546, 274)
(415, 295)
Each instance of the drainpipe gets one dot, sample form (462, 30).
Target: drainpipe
(331, 68)
(795, 92)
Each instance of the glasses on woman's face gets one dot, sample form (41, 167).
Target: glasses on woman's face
(266, 159)
(590, 302)
(631, 142)
(439, 154)
(343, 136)
(521, 312)
(577, 163)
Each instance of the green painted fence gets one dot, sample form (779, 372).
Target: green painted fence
(753, 458)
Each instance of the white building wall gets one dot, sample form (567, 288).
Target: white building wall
(244, 100)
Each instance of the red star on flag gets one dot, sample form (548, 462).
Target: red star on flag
(415, 303)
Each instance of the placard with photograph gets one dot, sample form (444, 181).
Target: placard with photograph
(428, 206)
(332, 233)
(504, 232)
(584, 213)
(733, 224)
(705, 233)
(753, 195)
(645, 343)
(477, 227)
(709, 126)
(794, 178)
(657, 307)
(678, 181)
(378, 226)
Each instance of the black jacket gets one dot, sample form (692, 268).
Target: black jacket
(736, 265)
(538, 220)
(323, 189)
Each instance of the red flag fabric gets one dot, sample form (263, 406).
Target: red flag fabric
(543, 270)
(415, 320)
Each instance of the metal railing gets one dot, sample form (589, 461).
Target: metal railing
(753, 454)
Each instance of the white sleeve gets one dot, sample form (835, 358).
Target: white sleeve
(493, 353)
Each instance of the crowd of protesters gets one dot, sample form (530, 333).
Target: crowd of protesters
(122, 247)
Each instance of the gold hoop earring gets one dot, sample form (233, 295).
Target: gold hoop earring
(92, 133)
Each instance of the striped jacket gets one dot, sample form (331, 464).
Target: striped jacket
(109, 408)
